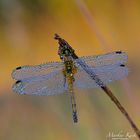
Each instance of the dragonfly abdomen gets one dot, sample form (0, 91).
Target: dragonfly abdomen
(69, 72)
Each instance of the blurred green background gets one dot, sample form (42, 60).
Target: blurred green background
(27, 29)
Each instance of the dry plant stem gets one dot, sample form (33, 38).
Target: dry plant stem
(122, 109)
(90, 19)
(62, 42)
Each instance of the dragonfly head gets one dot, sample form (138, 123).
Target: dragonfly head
(65, 50)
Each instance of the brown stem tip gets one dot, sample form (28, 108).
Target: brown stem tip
(61, 41)
(57, 37)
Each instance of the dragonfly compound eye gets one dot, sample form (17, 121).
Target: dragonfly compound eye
(66, 52)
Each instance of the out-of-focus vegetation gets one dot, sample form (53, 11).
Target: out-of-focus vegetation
(27, 29)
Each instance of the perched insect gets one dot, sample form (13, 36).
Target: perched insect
(72, 72)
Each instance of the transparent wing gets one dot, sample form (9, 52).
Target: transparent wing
(25, 72)
(105, 59)
(51, 84)
(106, 74)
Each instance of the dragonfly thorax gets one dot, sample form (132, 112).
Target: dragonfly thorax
(70, 68)
(69, 72)
(65, 51)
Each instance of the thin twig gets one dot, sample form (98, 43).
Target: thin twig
(122, 109)
(91, 21)
(62, 43)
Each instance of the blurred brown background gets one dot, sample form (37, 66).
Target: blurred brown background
(27, 29)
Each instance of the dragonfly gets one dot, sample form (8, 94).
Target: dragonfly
(55, 78)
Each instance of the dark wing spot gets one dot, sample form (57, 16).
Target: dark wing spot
(122, 65)
(19, 81)
(118, 52)
(18, 68)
